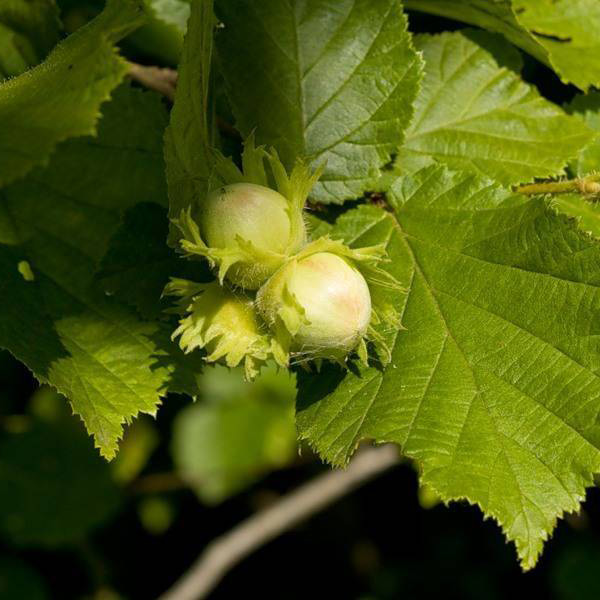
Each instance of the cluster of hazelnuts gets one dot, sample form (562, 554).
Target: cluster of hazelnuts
(277, 295)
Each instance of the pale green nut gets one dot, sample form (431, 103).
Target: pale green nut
(255, 214)
(322, 301)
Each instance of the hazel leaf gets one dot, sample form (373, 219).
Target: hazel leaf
(109, 363)
(61, 97)
(493, 384)
(475, 113)
(333, 85)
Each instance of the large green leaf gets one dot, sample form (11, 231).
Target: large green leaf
(494, 385)
(61, 97)
(109, 363)
(328, 81)
(568, 30)
(236, 432)
(559, 33)
(28, 31)
(474, 113)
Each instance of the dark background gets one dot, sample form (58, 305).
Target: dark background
(378, 543)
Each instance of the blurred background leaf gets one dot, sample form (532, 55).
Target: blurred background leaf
(238, 431)
(60, 488)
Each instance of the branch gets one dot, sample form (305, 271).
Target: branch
(158, 79)
(164, 81)
(589, 185)
(223, 553)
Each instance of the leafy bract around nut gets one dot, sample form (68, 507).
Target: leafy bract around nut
(244, 227)
(220, 321)
(319, 304)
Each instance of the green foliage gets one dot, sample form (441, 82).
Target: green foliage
(162, 35)
(487, 389)
(474, 113)
(567, 30)
(28, 31)
(492, 383)
(493, 15)
(109, 363)
(17, 580)
(560, 33)
(61, 97)
(137, 252)
(56, 463)
(586, 212)
(236, 433)
(340, 83)
(587, 106)
(189, 137)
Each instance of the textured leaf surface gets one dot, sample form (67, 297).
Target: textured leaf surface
(55, 463)
(587, 106)
(494, 384)
(559, 33)
(237, 432)
(188, 139)
(28, 31)
(492, 15)
(568, 30)
(60, 220)
(585, 211)
(329, 81)
(138, 253)
(474, 113)
(61, 97)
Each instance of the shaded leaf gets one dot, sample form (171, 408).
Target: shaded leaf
(188, 139)
(139, 263)
(98, 353)
(28, 31)
(236, 433)
(18, 580)
(61, 97)
(162, 35)
(60, 489)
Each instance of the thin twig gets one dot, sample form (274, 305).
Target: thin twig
(586, 185)
(159, 79)
(223, 553)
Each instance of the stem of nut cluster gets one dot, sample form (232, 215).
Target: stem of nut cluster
(589, 185)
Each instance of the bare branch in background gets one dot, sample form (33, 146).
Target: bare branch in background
(223, 553)
(159, 79)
